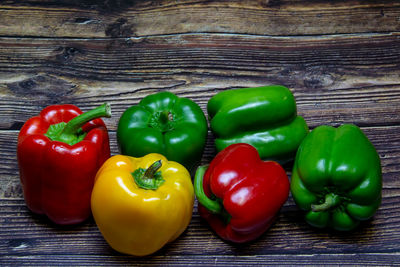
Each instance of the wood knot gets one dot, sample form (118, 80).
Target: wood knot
(121, 28)
(270, 3)
(49, 87)
(316, 78)
(67, 53)
(20, 244)
(14, 190)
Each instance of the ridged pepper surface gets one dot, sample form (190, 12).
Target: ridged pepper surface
(141, 204)
(239, 194)
(166, 124)
(337, 178)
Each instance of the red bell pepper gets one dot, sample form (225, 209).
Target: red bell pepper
(240, 195)
(59, 153)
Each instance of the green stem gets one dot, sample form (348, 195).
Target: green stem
(211, 205)
(162, 120)
(331, 201)
(151, 171)
(165, 117)
(150, 178)
(76, 123)
(71, 132)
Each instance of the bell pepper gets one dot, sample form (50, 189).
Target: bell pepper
(240, 195)
(264, 117)
(166, 124)
(141, 204)
(59, 152)
(337, 178)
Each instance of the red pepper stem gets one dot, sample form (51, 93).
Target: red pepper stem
(211, 205)
(331, 201)
(76, 123)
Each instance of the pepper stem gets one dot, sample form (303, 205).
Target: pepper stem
(165, 117)
(76, 123)
(331, 201)
(162, 120)
(150, 178)
(151, 171)
(211, 205)
(71, 132)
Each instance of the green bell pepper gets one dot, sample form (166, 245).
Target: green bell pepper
(166, 124)
(337, 178)
(264, 117)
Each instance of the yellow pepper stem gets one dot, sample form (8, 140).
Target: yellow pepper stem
(150, 178)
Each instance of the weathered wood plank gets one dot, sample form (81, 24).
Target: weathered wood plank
(378, 259)
(24, 234)
(334, 79)
(145, 18)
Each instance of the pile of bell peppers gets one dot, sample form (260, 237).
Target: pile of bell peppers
(143, 199)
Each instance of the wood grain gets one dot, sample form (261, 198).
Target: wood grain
(377, 259)
(146, 18)
(334, 79)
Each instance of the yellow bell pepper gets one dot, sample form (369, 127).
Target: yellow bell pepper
(141, 204)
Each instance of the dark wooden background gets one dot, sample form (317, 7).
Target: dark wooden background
(341, 59)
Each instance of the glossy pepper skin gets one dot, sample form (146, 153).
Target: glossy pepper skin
(166, 124)
(141, 204)
(58, 164)
(337, 177)
(239, 195)
(264, 117)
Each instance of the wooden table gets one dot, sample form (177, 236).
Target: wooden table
(341, 59)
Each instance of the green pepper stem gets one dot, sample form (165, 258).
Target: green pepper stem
(211, 205)
(71, 132)
(331, 201)
(76, 123)
(165, 116)
(151, 171)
